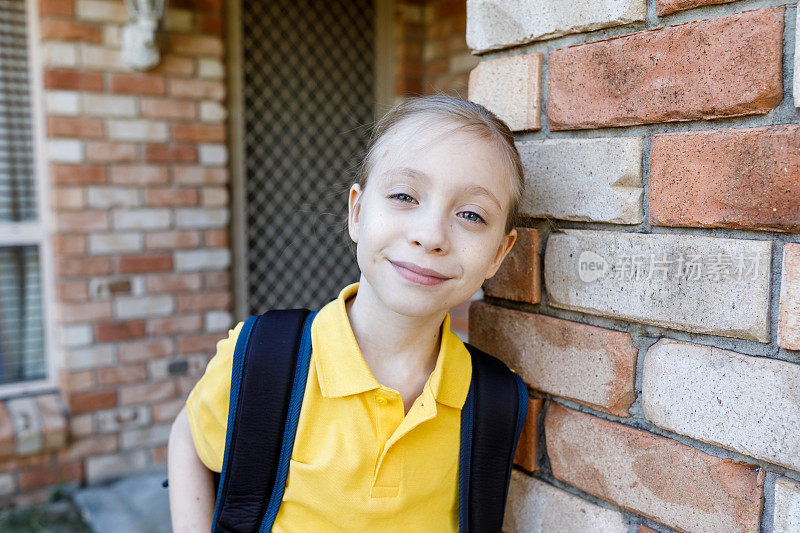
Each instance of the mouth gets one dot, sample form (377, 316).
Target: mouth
(417, 274)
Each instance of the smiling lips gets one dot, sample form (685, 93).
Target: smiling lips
(417, 274)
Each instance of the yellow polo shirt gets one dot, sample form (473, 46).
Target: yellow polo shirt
(358, 463)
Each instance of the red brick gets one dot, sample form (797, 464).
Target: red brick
(172, 239)
(139, 263)
(660, 478)
(91, 401)
(56, 8)
(67, 30)
(53, 419)
(205, 343)
(552, 355)
(167, 411)
(83, 266)
(210, 24)
(84, 312)
(166, 109)
(171, 197)
(198, 133)
(204, 301)
(73, 79)
(88, 447)
(176, 282)
(78, 174)
(216, 280)
(134, 352)
(138, 84)
(139, 175)
(121, 374)
(744, 178)
(147, 393)
(174, 324)
(722, 67)
(69, 244)
(77, 127)
(118, 331)
(203, 45)
(83, 221)
(200, 175)
(77, 381)
(197, 89)
(198, 5)
(216, 238)
(528, 445)
(160, 153)
(72, 291)
(665, 7)
(518, 277)
(110, 152)
(46, 477)
(175, 66)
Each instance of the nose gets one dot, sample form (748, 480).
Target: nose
(430, 230)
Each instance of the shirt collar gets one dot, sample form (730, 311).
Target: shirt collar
(342, 370)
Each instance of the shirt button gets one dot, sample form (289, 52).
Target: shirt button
(381, 400)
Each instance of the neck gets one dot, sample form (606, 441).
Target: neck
(404, 345)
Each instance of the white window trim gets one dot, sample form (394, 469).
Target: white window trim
(40, 232)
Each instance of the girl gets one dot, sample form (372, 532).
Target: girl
(432, 214)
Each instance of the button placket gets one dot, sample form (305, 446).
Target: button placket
(389, 411)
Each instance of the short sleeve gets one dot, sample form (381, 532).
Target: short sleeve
(207, 404)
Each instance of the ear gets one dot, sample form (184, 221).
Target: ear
(505, 246)
(354, 211)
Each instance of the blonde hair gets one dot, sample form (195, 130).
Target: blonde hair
(464, 116)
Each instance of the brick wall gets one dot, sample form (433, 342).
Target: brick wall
(652, 303)
(140, 206)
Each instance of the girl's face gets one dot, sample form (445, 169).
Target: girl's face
(436, 202)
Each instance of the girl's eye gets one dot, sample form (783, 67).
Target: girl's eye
(401, 196)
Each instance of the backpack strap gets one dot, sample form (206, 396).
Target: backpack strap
(491, 422)
(268, 371)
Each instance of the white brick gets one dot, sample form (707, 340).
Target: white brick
(201, 218)
(591, 271)
(789, 302)
(105, 467)
(538, 507)
(787, 506)
(178, 20)
(212, 112)
(101, 58)
(114, 420)
(76, 335)
(63, 102)
(218, 321)
(214, 196)
(213, 154)
(113, 243)
(65, 150)
(510, 87)
(140, 218)
(143, 307)
(137, 130)
(493, 24)
(104, 105)
(57, 54)
(743, 403)
(7, 485)
(105, 197)
(94, 357)
(112, 36)
(203, 259)
(593, 180)
(27, 425)
(210, 68)
(147, 436)
(102, 11)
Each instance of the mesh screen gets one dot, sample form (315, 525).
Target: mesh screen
(308, 98)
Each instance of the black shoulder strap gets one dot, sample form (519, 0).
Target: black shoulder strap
(268, 372)
(491, 422)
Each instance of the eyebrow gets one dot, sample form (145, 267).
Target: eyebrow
(473, 189)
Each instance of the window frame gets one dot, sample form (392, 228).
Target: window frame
(39, 232)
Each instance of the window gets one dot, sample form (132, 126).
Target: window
(22, 323)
